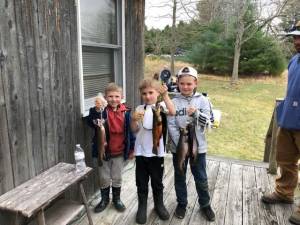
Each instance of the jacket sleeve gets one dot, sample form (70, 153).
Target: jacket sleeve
(90, 118)
(202, 116)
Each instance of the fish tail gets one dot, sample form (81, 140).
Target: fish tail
(154, 149)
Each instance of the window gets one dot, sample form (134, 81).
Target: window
(101, 47)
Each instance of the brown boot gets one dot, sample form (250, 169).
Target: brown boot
(274, 198)
(295, 218)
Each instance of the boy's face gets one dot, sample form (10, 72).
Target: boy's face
(113, 98)
(186, 85)
(149, 95)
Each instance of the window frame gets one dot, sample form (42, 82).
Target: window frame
(118, 49)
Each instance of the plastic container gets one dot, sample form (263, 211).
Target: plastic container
(79, 159)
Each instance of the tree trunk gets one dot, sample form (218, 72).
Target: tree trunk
(173, 38)
(238, 42)
(237, 54)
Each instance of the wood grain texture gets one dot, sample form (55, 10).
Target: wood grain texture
(35, 194)
(235, 190)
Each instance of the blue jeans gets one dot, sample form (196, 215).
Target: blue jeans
(200, 178)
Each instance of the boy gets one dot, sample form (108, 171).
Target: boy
(195, 108)
(150, 163)
(119, 145)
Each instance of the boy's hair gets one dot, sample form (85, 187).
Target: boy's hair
(146, 83)
(113, 87)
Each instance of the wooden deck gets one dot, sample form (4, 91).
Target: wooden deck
(235, 188)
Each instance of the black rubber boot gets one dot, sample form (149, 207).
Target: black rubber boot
(104, 200)
(208, 213)
(141, 215)
(159, 206)
(116, 191)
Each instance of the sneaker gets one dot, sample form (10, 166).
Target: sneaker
(180, 211)
(208, 213)
(295, 218)
(273, 198)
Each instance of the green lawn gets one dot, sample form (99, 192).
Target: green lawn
(246, 113)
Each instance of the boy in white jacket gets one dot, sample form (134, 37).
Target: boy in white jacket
(190, 106)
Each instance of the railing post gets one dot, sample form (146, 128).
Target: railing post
(272, 157)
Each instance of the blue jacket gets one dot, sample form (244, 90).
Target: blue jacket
(129, 136)
(288, 111)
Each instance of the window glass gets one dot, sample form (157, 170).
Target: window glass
(97, 70)
(98, 21)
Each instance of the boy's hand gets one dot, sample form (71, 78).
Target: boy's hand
(131, 155)
(191, 110)
(100, 122)
(137, 115)
(163, 90)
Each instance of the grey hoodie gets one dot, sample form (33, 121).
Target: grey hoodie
(182, 103)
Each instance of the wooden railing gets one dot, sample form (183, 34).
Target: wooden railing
(270, 141)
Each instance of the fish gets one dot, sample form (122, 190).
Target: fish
(101, 141)
(192, 142)
(182, 149)
(157, 128)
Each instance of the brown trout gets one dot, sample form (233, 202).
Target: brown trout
(157, 128)
(193, 143)
(182, 149)
(100, 134)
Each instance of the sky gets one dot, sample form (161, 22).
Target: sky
(156, 13)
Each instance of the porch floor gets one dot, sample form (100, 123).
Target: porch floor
(235, 188)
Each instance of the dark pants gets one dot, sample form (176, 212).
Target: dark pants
(149, 167)
(200, 178)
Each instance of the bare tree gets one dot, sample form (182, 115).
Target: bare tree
(173, 6)
(248, 28)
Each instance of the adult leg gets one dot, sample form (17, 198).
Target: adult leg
(287, 156)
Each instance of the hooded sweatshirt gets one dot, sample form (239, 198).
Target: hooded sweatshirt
(181, 118)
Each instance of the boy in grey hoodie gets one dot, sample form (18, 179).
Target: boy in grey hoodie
(191, 107)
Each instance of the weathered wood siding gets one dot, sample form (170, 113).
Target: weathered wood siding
(40, 120)
(135, 14)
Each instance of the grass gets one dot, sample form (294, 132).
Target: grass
(246, 111)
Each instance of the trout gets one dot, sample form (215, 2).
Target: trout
(193, 143)
(100, 134)
(182, 149)
(157, 128)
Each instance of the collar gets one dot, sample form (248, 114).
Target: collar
(120, 108)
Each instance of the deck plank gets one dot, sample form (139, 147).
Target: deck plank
(283, 211)
(250, 199)
(235, 189)
(171, 203)
(267, 213)
(212, 174)
(219, 198)
(234, 207)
